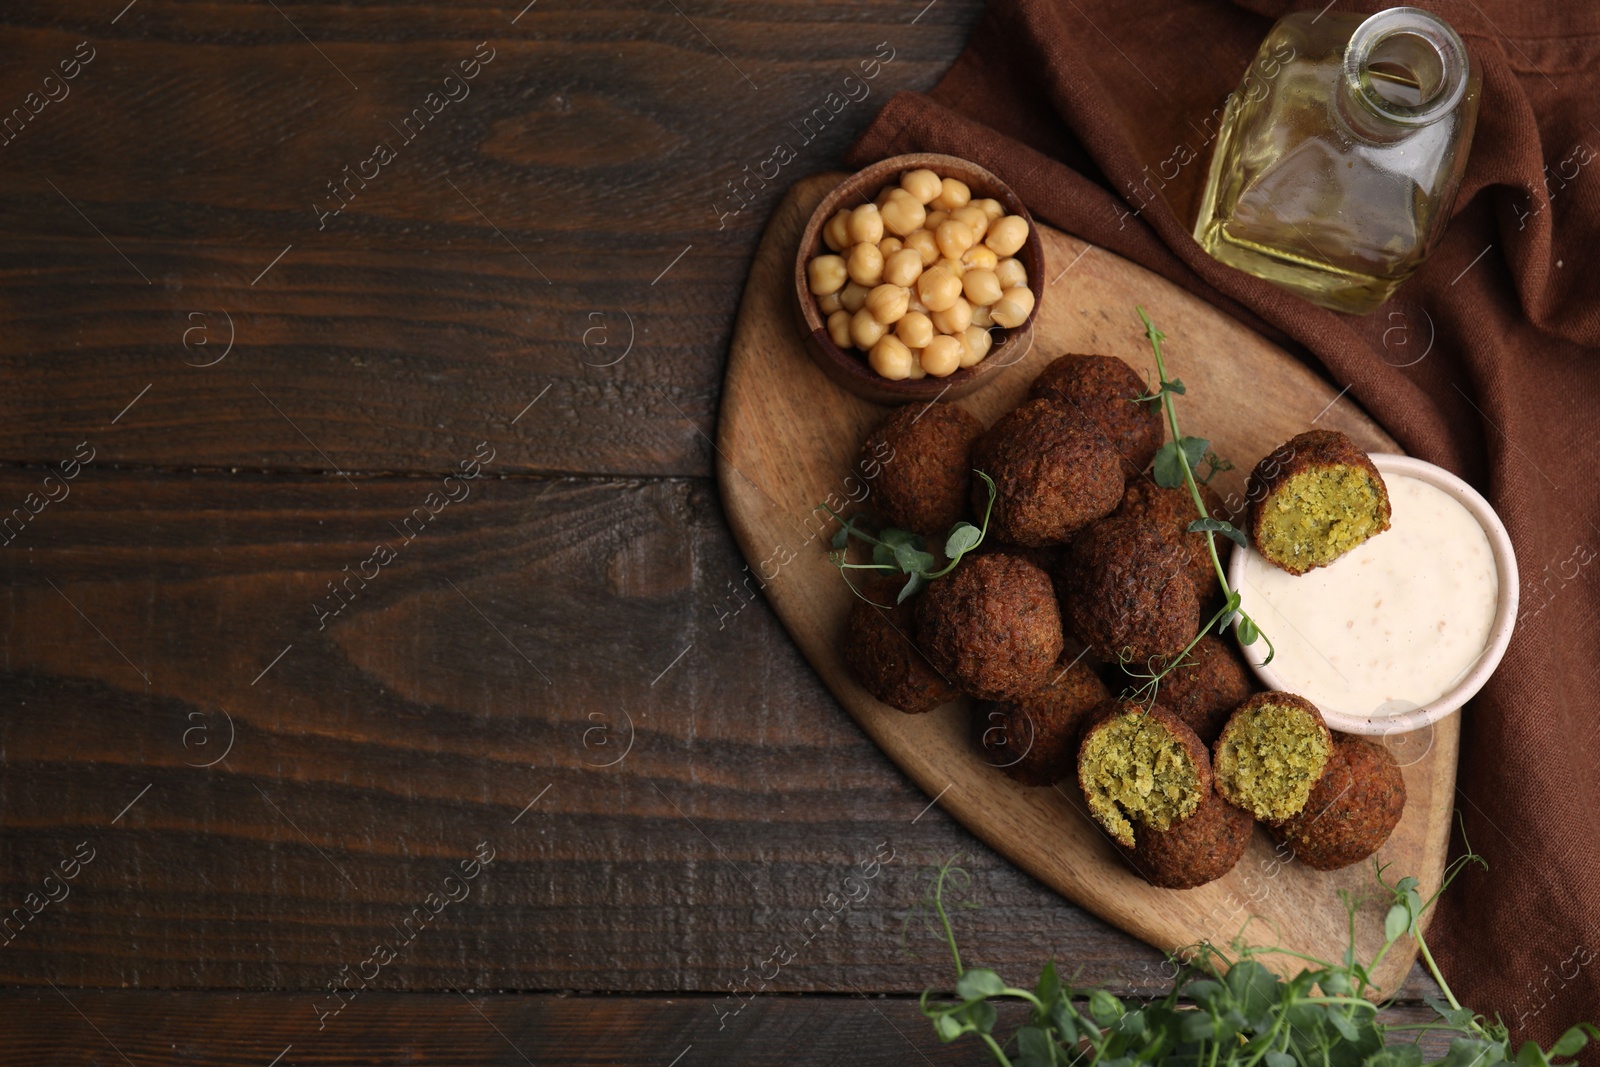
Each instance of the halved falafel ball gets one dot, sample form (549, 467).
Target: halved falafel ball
(880, 647)
(1033, 738)
(917, 463)
(1053, 475)
(1313, 499)
(1204, 689)
(1200, 849)
(1140, 768)
(1171, 511)
(1105, 390)
(1126, 594)
(1269, 755)
(992, 626)
(1352, 810)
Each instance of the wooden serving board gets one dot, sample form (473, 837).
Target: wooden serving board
(787, 439)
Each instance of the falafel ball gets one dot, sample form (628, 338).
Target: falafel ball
(1140, 769)
(1053, 475)
(880, 647)
(1204, 689)
(1200, 849)
(1270, 754)
(1352, 810)
(992, 626)
(1314, 498)
(917, 462)
(1171, 511)
(1127, 595)
(1034, 738)
(1105, 391)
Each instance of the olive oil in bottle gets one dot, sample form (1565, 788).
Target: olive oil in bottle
(1334, 176)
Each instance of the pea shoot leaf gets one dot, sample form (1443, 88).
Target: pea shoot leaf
(912, 587)
(979, 982)
(1226, 529)
(963, 537)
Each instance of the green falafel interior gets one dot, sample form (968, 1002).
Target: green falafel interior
(1270, 755)
(1318, 515)
(1135, 770)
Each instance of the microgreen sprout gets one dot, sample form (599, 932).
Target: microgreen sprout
(897, 551)
(1174, 467)
(1230, 1010)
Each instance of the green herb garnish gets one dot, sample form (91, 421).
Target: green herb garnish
(902, 552)
(1238, 1012)
(1174, 466)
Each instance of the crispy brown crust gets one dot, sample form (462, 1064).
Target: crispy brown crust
(1200, 849)
(1314, 448)
(880, 648)
(1171, 511)
(1126, 594)
(1103, 390)
(1034, 738)
(1101, 717)
(1053, 475)
(1273, 697)
(917, 463)
(1204, 689)
(992, 627)
(1352, 809)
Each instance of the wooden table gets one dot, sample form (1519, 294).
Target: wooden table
(359, 528)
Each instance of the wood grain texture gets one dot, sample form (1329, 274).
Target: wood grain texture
(471, 1029)
(519, 240)
(787, 441)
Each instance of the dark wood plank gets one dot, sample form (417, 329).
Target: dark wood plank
(517, 243)
(500, 655)
(471, 1029)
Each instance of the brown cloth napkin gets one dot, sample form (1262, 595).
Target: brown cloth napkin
(1099, 113)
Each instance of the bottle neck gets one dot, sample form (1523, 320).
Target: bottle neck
(1403, 69)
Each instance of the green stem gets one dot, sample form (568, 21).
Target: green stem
(999, 1054)
(944, 920)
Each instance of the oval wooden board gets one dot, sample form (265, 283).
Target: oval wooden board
(786, 441)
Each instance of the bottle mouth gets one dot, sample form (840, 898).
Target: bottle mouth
(1407, 65)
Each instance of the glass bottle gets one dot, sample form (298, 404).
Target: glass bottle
(1339, 156)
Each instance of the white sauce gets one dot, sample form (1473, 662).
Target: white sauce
(1391, 625)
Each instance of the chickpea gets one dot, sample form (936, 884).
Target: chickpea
(922, 184)
(1011, 273)
(1007, 235)
(865, 330)
(888, 303)
(839, 328)
(891, 359)
(916, 367)
(981, 286)
(830, 303)
(826, 274)
(836, 234)
(1013, 307)
(903, 268)
(974, 218)
(954, 238)
(934, 220)
(903, 213)
(943, 355)
(915, 329)
(953, 319)
(882, 197)
(979, 257)
(866, 224)
(889, 246)
(938, 288)
(978, 341)
(925, 243)
(916, 303)
(953, 266)
(866, 265)
(991, 207)
(981, 317)
(853, 296)
(952, 194)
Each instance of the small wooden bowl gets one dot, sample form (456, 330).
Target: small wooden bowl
(849, 368)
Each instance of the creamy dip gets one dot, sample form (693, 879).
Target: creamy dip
(1392, 624)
